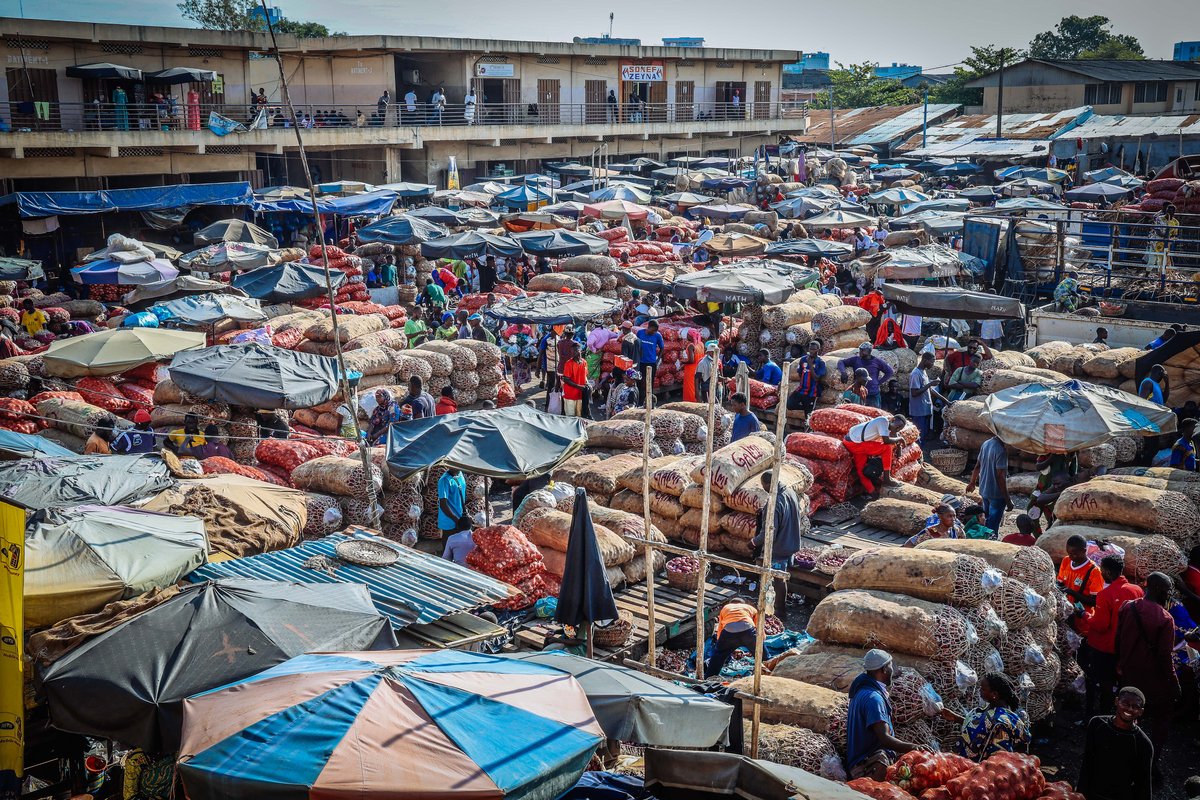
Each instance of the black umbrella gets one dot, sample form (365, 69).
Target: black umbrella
(20, 269)
(175, 75)
(405, 229)
(471, 244)
(435, 214)
(549, 308)
(558, 243)
(256, 376)
(104, 71)
(809, 247)
(287, 282)
(945, 301)
(130, 682)
(586, 596)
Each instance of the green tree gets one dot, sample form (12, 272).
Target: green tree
(982, 61)
(857, 86)
(1079, 37)
(223, 15)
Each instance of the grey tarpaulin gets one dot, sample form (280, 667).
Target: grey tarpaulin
(106, 480)
(559, 242)
(29, 445)
(701, 774)
(634, 707)
(287, 282)
(517, 442)
(256, 376)
(767, 282)
(401, 230)
(470, 244)
(129, 683)
(207, 309)
(553, 309)
(20, 269)
(947, 301)
(148, 294)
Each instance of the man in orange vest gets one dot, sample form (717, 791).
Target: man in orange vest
(736, 627)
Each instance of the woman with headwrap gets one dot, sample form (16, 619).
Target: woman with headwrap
(387, 411)
(693, 351)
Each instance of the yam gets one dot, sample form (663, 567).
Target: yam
(1007, 359)
(899, 516)
(1027, 564)
(1154, 554)
(1019, 605)
(800, 748)
(1142, 508)
(597, 265)
(792, 702)
(933, 478)
(938, 576)
(895, 622)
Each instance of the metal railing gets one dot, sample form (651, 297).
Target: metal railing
(175, 115)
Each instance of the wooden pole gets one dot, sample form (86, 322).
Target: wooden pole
(648, 549)
(714, 375)
(768, 543)
(742, 566)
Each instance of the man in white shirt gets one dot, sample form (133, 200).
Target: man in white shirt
(991, 331)
(410, 106)
(920, 396)
(910, 329)
(875, 439)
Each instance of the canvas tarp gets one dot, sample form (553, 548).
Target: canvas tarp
(911, 263)
(29, 445)
(256, 376)
(241, 516)
(517, 442)
(946, 301)
(77, 560)
(149, 294)
(79, 480)
(207, 309)
(557, 243)
(554, 309)
(754, 284)
(287, 282)
(20, 269)
(129, 683)
(146, 198)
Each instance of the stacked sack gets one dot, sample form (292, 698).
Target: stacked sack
(351, 265)
(281, 457)
(443, 359)
(345, 479)
(1097, 363)
(695, 431)
(901, 360)
(669, 428)
(604, 268)
(550, 529)
(822, 451)
(503, 552)
(319, 337)
(489, 373)
(613, 436)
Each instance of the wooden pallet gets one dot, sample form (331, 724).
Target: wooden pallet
(674, 613)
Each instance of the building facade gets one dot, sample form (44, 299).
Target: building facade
(1187, 51)
(496, 107)
(1108, 86)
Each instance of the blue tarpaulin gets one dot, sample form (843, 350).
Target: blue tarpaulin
(366, 204)
(146, 198)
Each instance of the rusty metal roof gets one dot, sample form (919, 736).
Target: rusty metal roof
(969, 127)
(875, 125)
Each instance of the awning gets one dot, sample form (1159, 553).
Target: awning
(947, 301)
(766, 282)
(554, 309)
(287, 282)
(370, 204)
(147, 198)
(256, 376)
(104, 71)
(809, 247)
(404, 229)
(176, 75)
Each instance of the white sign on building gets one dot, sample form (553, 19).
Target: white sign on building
(640, 73)
(485, 70)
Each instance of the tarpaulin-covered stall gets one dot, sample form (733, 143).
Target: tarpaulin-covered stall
(911, 263)
(235, 230)
(559, 243)
(54, 482)
(435, 214)
(471, 244)
(77, 560)
(708, 775)
(765, 282)
(554, 309)
(208, 309)
(229, 257)
(256, 376)
(287, 282)
(146, 198)
(404, 229)
(130, 683)
(948, 301)
(736, 244)
(516, 442)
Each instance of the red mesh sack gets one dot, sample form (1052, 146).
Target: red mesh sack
(866, 411)
(506, 395)
(835, 421)
(501, 550)
(918, 770)
(217, 465)
(40, 396)
(138, 395)
(1060, 790)
(285, 454)
(17, 410)
(815, 446)
(22, 426)
(102, 392)
(879, 790)
(147, 373)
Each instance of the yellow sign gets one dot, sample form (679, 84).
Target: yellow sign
(452, 174)
(12, 597)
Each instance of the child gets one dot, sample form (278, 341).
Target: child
(973, 523)
(857, 391)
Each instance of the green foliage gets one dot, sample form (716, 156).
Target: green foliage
(982, 60)
(305, 30)
(1084, 37)
(238, 15)
(857, 86)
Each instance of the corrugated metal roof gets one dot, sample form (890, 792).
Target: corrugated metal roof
(970, 127)
(874, 125)
(1100, 69)
(418, 588)
(985, 149)
(1104, 127)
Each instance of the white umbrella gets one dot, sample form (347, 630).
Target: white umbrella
(840, 219)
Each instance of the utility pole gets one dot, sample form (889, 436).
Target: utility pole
(1000, 96)
(832, 134)
(925, 118)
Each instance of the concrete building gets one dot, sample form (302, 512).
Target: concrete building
(897, 71)
(532, 101)
(683, 41)
(1108, 86)
(1187, 51)
(809, 61)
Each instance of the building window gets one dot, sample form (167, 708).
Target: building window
(1102, 94)
(1197, 95)
(1150, 92)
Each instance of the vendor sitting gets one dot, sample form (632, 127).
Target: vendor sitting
(946, 526)
(875, 439)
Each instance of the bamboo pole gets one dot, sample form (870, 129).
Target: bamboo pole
(768, 543)
(674, 676)
(714, 375)
(648, 549)
(741, 566)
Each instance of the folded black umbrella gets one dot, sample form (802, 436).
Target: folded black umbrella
(287, 282)
(256, 376)
(585, 596)
(177, 75)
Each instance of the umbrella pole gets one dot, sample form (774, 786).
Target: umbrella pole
(648, 550)
(487, 504)
(364, 454)
(764, 579)
(704, 512)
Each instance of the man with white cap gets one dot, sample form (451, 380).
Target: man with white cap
(871, 742)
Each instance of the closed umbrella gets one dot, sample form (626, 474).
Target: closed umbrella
(517, 442)
(634, 707)
(209, 309)
(78, 560)
(235, 230)
(736, 244)
(108, 271)
(398, 725)
(436, 215)
(1043, 418)
(558, 243)
(585, 597)
(471, 244)
(130, 683)
(404, 229)
(116, 350)
(229, 257)
(20, 269)
(287, 282)
(177, 75)
(256, 376)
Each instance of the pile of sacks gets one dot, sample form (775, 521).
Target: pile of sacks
(1096, 363)
(1184, 195)
(351, 265)
(822, 452)
(504, 553)
(776, 327)
(344, 478)
(675, 333)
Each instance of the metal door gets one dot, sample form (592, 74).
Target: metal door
(549, 112)
(685, 100)
(595, 92)
(762, 100)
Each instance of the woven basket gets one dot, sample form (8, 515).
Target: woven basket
(950, 460)
(683, 581)
(616, 634)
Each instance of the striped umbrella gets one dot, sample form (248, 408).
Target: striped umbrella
(395, 724)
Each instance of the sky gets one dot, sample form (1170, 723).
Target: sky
(934, 34)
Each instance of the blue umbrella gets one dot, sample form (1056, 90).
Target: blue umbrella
(401, 230)
(620, 192)
(938, 204)
(979, 193)
(287, 282)
(960, 168)
(435, 214)
(523, 195)
(586, 596)
(471, 244)
(558, 243)
(107, 271)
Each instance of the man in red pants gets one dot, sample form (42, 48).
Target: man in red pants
(876, 437)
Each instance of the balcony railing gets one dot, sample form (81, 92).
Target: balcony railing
(175, 116)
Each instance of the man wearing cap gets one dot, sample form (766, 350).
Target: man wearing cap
(810, 370)
(138, 439)
(705, 369)
(877, 369)
(871, 744)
